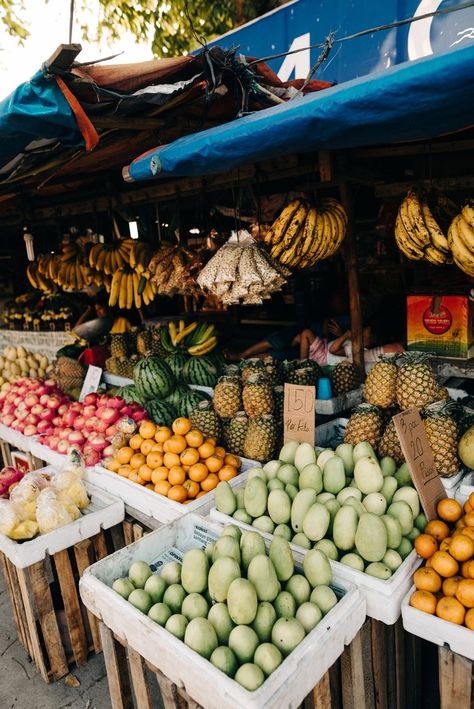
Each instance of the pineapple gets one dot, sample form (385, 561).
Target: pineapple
(260, 439)
(123, 366)
(442, 394)
(248, 367)
(345, 377)
(380, 387)
(318, 372)
(365, 424)
(443, 435)
(235, 432)
(132, 340)
(144, 342)
(278, 398)
(111, 365)
(416, 383)
(156, 344)
(119, 344)
(390, 444)
(303, 376)
(204, 418)
(227, 397)
(272, 370)
(257, 396)
(232, 370)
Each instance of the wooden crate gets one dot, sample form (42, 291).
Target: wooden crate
(53, 625)
(456, 680)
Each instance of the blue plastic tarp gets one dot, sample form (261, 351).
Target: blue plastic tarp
(36, 110)
(418, 100)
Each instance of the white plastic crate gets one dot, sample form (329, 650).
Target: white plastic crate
(436, 630)
(150, 503)
(286, 687)
(16, 439)
(42, 452)
(104, 511)
(466, 487)
(336, 404)
(331, 434)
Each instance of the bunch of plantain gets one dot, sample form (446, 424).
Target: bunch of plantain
(304, 234)
(168, 270)
(128, 289)
(107, 258)
(461, 239)
(197, 338)
(37, 279)
(418, 233)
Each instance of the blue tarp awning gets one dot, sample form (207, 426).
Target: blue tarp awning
(418, 100)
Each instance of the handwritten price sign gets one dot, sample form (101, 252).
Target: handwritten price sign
(91, 381)
(298, 414)
(419, 458)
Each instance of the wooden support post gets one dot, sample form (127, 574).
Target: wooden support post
(350, 258)
(36, 651)
(72, 606)
(127, 532)
(456, 682)
(379, 664)
(117, 670)
(168, 689)
(138, 676)
(356, 672)
(320, 695)
(401, 688)
(84, 558)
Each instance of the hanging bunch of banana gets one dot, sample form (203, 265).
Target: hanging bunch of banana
(128, 289)
(304, 234)
(71, 269)
(461, 239)
(37, 279)
(107, 258)
(418, 233)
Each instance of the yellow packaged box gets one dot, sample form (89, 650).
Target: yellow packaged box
(442, 324)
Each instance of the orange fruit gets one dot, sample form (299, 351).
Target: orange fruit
(154, 459)
(186, 502)
(425, 545)
(147, 446)
(469, 619)
(449, 608)
(468, 519)
(124, 471)
(467, 507)
(135, 442)
(469, 532)
(461, 547)
(145, 472)
(460, 523)
(135, 477)
(181, 426)
(214, 463)
(198, 472)
(233, 460)
(124, 454)
(177, 476)
(449, 510)
(444, 564)
(157, 448)
(113, 465)
(175, 444)
(470, 499)
(170, 459)
(426, 579)
(467, 569)
(423, 601)
(212, 441)
(162, 487)
(147, 429)
(178, 493)
(162, 434)
(136, 460)
(200, 494)
(194, 438)
(189, 456)
(438, 529)
(227, 472)
(444, 546)
(206, 450)
(450, 585)
(192, 488)
(465, 592)
(428, 563)
(220, 451)
(210, 482)
(150, 486)
(159, 474)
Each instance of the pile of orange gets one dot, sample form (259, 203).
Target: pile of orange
(177, 462)
(445, 585)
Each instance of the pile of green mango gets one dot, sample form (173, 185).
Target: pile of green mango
(239, 606)
(358, 510)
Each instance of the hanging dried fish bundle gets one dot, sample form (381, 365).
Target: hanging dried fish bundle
(242, 272)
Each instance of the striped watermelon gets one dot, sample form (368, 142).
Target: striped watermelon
(161, 412)
(176, 363)
(153, 378)
(176, 395)
(190, 401)
(129, 394)
(218, 360)
(200, 371)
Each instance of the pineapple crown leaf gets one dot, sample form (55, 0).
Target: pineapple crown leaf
(229, 379)
(391, 358)
(442, 409)
(257, 378)
(367, 409)
(410, 358)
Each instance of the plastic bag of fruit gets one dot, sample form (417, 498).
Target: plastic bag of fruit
(25, 494)
(68, 484)
(74, 464)
(54, 510)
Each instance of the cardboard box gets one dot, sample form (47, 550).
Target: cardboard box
(442, 324)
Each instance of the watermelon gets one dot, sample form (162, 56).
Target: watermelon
(200, 371)
(218, 360)
(176, 363)
(190, 401)
(153, 378)
(175, 397)
(129, 394)
(161, 412)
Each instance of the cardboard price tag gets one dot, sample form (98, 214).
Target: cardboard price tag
(91, 381)
(299, 422)
(419, 458)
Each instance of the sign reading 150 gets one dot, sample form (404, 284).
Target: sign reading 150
(302, 400)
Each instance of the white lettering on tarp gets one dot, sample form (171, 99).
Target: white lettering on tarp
(299, 63)
(419, 39)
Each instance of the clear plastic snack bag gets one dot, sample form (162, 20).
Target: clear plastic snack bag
(25, 494)
(13, 524)
(71, 485)
(52, 512)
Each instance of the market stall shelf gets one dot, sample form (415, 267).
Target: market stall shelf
(306, 665)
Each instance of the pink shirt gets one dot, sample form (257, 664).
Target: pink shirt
(319, 352)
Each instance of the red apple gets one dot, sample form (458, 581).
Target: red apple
(91, 423)
(8, 420)
(76, 438)
(98, 442)
(90, 398)
(63, 446)
(43, 426)
(64, 433)
(47, 415)
(57, 420)
(31, 400)
(91, 457)
(109, 451)
(30, 430)
(79, 422)
(32, 420)
(89, 411)
(20, 426)
(111, 430)
(53, 402)
(109, 415)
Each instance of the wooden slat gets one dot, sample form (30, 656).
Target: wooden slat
(16, 603)
(47, 617)
(168, 691)
(117, 536)
(127, 532)
(140, 686)
(84, 554)
(72, 606)
(379, 664)
(356, 672)
(401, 688)
(117, 670)
(100, 546)
(320, 697)
(137, 532)
(31, 625)
(455, 680)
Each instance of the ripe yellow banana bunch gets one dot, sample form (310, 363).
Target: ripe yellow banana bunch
(107, 258)
(304, 234)
(418, 234)
(128, 289)
(461, 239)
(37, 279)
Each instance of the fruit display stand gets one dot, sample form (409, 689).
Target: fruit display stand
(42, 578)
(150, 645)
